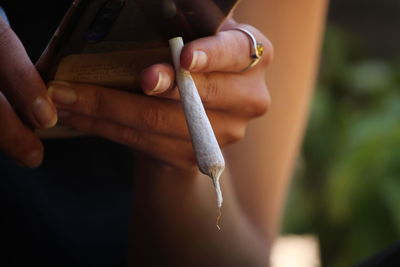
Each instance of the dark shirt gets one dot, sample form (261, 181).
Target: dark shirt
(72, 211)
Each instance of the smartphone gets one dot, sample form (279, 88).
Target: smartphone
(109, 42)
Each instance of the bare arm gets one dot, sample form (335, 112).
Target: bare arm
(272, 142)
(175, 223)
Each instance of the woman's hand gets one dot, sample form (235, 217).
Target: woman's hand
(154, 123)
(23, 94)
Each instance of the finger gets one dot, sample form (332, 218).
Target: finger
(157, 79)
(233, 94)
(16, 139)
(21, 83)
(132, 110)
(227, 51)
(243, 95)
(174, 151)
(167, 149)
(143, 113)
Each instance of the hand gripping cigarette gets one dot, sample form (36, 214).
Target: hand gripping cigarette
(208, 153)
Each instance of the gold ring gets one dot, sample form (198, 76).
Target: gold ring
(256, 49)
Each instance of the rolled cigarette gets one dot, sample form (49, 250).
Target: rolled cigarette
(208, 153)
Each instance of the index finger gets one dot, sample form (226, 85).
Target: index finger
(21, 83)
(227, 51)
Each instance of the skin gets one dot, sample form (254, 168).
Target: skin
(175, 204)
(22, 92)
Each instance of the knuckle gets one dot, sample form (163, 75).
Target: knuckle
(129, 137)
(210, 89)
(152, 118)
(260, 101)
(237, 134)
(224, 52)
(229, 48)
(232, 134)
(96, 104)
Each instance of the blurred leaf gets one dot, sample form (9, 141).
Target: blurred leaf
(390, 194)
(369, 76)
(366, 158)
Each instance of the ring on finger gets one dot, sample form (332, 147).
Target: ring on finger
(256, 48)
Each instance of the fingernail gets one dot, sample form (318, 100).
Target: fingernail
(33, 159)
(199, 60)
(163, 83)
(63, 95)
(44, 113)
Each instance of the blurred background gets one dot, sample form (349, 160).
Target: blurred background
(345, 195)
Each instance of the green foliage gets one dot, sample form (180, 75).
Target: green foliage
(347, 186)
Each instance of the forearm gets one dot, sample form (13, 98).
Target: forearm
(272, 142)
(175, 222)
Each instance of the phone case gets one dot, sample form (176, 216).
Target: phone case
(109, 42)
